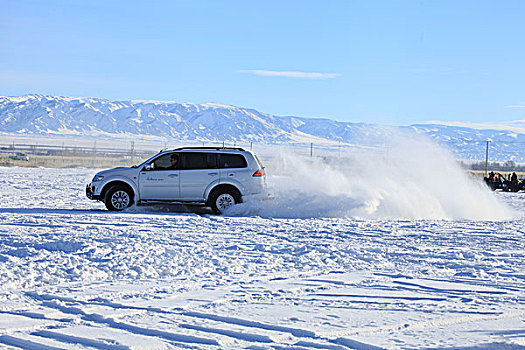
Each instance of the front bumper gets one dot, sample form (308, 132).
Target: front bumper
(90, 195)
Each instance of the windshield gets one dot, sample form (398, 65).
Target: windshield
(145, 161)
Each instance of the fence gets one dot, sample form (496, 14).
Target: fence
(100, 154)
(104, 153)
(48, 155)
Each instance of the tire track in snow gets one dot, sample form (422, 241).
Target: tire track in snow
(297, 333)
(25, 344)
(99, 319)
(425, 324)
(79, 340)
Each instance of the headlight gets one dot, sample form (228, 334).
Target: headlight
(97, 178)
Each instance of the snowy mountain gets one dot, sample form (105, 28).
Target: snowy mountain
(37, 114)
(470, 142)
(45, 115)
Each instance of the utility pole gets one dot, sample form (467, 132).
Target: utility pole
(94, 153)
(251, 145)
(132, 151)
(487, 159)
(311, 149)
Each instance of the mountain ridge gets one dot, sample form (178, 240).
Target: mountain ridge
(213, 122)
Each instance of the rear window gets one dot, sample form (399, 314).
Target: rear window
(199, 161)
(232, 161)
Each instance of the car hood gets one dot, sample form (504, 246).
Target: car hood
(115, 171)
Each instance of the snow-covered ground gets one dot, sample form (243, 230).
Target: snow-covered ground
(73, 275)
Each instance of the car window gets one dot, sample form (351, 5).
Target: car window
(199, 160)
(232, 161)
(167, 161)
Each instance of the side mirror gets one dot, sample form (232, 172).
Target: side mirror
(147, 167)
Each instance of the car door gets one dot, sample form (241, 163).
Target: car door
(233, 168)
(198, 171)
(159, 180)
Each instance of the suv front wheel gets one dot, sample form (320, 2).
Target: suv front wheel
(222, 198)
(118, 198)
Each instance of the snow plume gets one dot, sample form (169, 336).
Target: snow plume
(409, 177)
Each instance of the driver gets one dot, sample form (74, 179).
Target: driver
(174, 159)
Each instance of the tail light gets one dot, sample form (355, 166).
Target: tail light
(259, 173)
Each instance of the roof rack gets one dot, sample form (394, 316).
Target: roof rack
(214, 148)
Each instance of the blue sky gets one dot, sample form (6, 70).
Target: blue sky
(392, 62)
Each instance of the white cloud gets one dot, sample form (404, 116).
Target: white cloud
(304, 75)
(515, 106)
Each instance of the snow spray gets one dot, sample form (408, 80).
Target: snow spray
(410, 178)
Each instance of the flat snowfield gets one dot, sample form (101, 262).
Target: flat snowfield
(73, 275)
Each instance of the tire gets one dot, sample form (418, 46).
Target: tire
(223, 198)
(118, 198)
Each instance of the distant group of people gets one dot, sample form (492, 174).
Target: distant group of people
(498, 177)
(505, 183)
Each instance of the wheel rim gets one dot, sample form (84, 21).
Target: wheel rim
(224, 201)
(120, 199)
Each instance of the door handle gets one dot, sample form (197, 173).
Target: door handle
(173, 175)
(212, 174)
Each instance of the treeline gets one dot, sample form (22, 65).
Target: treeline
(507, 166)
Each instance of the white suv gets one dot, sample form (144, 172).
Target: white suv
(216, 177)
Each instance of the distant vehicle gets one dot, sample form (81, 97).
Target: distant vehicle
(20, 156)
(214, 177)
(514, 186)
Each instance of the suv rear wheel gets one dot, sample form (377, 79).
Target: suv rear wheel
(118, 198)
(222, 198)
